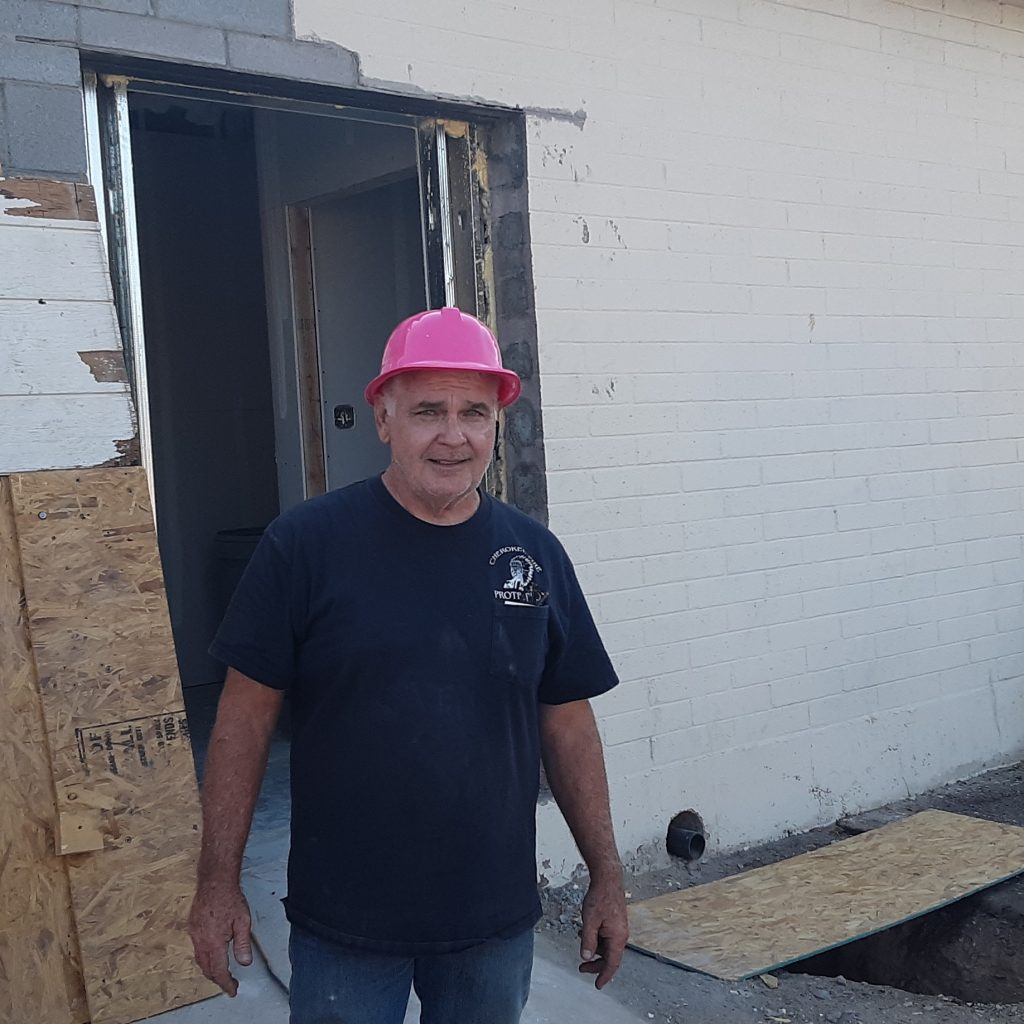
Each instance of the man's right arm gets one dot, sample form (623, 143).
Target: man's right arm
(235, 763)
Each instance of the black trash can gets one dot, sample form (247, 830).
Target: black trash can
(232, 550)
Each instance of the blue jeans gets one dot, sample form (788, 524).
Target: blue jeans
(486, 984)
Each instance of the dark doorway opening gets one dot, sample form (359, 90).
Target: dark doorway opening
(214, 184)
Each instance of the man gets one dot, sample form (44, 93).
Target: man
(435, 644)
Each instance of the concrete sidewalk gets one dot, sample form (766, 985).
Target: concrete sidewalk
(557, 997)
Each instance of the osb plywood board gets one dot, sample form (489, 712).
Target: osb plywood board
(40, 972)
(764, 919)
(127, 807)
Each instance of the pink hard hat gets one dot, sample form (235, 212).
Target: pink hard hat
(444, 339)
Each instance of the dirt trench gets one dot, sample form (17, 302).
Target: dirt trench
(963, 963)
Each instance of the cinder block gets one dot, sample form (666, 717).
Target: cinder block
(681, 745)
(151, 37)
(899, 589)
(39, 63)
(123, 6)
(716, 649)
(805, 688)
(721, 473)
(45, 130)
(685, 625)
(751, 730)
(41, 20)
(792, 468)
(969, 627)
(870, 621)
(914, 638)
(735, 703)
(627, 727)
(675, 565)
(835, 547)
(724, 532)
(624, 759)
(645, 602)
(611, 577)
(269, 17)
(843, 707)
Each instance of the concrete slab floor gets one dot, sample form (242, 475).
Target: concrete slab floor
(558, 997)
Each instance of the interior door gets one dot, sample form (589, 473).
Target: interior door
(368, 274)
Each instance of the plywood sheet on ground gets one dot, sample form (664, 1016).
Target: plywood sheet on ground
(40, 973)
(127, 808)
(764, 919)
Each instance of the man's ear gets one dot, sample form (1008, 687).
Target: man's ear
(380, 421)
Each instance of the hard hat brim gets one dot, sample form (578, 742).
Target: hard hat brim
(509, 384)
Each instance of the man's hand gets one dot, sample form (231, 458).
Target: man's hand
(220, 916)
(605, 930)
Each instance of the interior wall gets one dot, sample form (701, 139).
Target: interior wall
(207, 354)
(368, 276)
(302, 158)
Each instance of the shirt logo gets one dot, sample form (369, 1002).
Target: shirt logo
(522, 571)
(518, 586)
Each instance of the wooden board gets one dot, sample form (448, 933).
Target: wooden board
(127, 807)
(64, 395)
(764, 919)
(39, 960)
(41, 197)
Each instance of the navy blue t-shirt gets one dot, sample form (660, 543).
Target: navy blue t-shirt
(415, 656)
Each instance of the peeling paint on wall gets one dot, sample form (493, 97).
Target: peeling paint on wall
(54, 200)
(106, 366)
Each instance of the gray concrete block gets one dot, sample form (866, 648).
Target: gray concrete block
(39, 62)
(305, 61)
(46, 130)
(39, 19)
(151, 37)
(264, 17)
(124, 6)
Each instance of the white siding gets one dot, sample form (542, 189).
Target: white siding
(55, 303)
(779, 294)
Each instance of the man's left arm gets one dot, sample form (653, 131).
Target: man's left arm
(574, 762)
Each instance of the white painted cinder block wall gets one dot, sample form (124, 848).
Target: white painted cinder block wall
(780, 297)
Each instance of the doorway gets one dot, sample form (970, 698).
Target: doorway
(228, 333)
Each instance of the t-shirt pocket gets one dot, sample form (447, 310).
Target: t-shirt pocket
(519, 643)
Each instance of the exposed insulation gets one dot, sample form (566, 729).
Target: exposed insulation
(118, 737)
(39, 962)
(764, 919)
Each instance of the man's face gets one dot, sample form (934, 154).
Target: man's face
(440, 425)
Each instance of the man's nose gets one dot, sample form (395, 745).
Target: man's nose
(451, 430)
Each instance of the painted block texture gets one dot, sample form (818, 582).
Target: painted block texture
(64, 399)
(778, 284)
